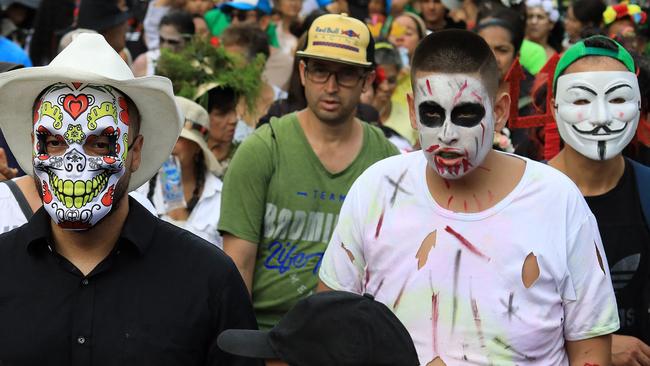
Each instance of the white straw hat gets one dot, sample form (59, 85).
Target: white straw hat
(89, 59)
(196, 129)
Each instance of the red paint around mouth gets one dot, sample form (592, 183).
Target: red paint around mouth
(432, 148)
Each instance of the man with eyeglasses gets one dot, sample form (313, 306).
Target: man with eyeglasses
(286, 183)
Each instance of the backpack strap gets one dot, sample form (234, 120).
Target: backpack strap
(20, 198)
(642, 176)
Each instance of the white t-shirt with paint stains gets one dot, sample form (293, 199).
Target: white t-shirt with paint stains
(455, 279)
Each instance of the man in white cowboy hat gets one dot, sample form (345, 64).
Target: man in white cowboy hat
(287, 181)
(93, 278)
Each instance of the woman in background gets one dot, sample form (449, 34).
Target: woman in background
(201, 187)
(405, 33)
(543, 26)
(581, 16)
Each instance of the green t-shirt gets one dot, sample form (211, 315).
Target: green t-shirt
(278, 194)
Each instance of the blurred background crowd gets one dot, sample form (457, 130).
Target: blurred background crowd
(237, 60)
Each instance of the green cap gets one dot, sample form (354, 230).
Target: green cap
(580, 50)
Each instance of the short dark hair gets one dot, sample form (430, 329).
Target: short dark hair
(181, 20)
(456, 51)
(510, 20)
(589, 12)
(387, 54)
(597, 42)
(249, 36)
(223, 99)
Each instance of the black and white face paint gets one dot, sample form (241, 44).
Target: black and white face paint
(598, 112)
(455, 121)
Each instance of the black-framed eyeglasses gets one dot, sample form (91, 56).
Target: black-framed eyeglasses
(345, 77)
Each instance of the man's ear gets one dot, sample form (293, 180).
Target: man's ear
(301, 69)
(368, 80)
(501, 111)
(135, 153)
(411, 103)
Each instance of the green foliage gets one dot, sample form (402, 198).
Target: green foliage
(201, 66)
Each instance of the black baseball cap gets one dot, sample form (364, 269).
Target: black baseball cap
(329, 328)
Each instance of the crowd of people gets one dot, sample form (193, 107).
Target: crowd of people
(324, 182)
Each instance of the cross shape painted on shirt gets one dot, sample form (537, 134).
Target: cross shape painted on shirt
(397, 186)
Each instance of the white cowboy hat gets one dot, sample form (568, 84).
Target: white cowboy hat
(90, 59)
(196, 128)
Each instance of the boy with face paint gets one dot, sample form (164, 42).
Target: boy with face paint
(104, 272)
(487, 258)
(597, 109)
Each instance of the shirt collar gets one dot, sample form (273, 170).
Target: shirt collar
(213, 185)
(138, 228)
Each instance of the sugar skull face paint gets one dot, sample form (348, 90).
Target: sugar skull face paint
(80, 147)
(455, 122)
(598, 112)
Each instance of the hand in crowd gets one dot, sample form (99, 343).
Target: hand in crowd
(629, 351)
(6, 172)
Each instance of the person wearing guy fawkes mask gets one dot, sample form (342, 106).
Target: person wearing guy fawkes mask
(486, 257)
(93, 278)
(597, 104)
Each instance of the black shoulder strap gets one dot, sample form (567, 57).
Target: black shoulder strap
(20, 198)
(642, 175)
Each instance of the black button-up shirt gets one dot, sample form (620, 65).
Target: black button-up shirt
(160, 298)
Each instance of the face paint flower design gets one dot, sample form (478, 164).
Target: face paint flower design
(79, 152)
(455, 122)
(598, 112)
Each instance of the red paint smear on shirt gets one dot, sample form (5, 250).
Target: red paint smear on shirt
(365, 286)
(434, 321)
(381, 222)
(466, 243)
(477, 322)
(399, 295)
(460, 92)
(429, 87)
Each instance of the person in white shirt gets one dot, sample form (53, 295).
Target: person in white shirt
(487, 258)
(201, 187)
